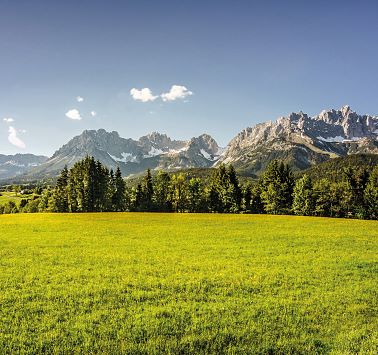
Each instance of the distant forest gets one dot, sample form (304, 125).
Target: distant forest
(91, 187)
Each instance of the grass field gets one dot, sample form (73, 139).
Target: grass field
(179, 283)
(11, 196)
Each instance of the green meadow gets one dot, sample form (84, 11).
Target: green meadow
(6, 196)
(187, 283)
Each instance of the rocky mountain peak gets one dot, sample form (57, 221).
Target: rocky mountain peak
(345, 110)
(310, 139)
(154, 150)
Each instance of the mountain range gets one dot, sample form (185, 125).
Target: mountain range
(300, 140)
(19, 164)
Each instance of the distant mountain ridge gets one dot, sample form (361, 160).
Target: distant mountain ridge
(300, 140)
(18, 164)
(303, 141)
(154, 151)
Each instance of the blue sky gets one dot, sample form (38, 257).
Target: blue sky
(243, 62)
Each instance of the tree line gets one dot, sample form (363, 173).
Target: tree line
(91, 187)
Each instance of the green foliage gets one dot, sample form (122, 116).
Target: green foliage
(277, 184)
(179, 192)
(371, 195)
(118, 197)
(303, 197)
(60, 202)
(137, 283)
(162, 194)
(90, 187)
(322, 196)
(224, 192)
(333, 169)
(195, 196)
(16, 189)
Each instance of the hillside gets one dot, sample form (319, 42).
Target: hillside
(333, 169)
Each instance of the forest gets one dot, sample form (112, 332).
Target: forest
(91, 187)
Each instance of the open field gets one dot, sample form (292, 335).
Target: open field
(181, 283)
(11, 196)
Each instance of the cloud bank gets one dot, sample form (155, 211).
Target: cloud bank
(79, 99)
(13, 139)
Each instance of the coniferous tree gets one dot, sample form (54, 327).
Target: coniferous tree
(147, 192)
(178, 192)
(303, 199)
(119, 195)
(277, 187)
(233, 191)
(60, 196)
(213, 195)
(322, 198)
(339, 197)
(256, 204)
(45, 201)
(195, 195)
(247, 197)
(161, 198)
(111, 192)
(138, 199)
(224, 192)
(371, 195)
(355, 184)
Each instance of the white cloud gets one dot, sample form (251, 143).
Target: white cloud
(79, 99)
(22, 130)
(8, 120)
(13, 139)
(74, 114)
(143, 95)
(176, 92)
(93, 113)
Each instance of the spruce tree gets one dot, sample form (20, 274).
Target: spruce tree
(179, 192)
(303, 199)
(137, 202)
(119, 195)
(214, 201)
(371, 195)
(322, 198)
(233, 191)
(147, 192)
(195, 195)
(60, 196)
(277, 185)
(161, 189)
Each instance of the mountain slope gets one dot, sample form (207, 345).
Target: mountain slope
(18, 164)
(303, 141)
(333, 169)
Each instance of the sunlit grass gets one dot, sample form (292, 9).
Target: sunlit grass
(6, 196)
(180, 283)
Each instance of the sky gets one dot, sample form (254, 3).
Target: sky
(178, 67)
